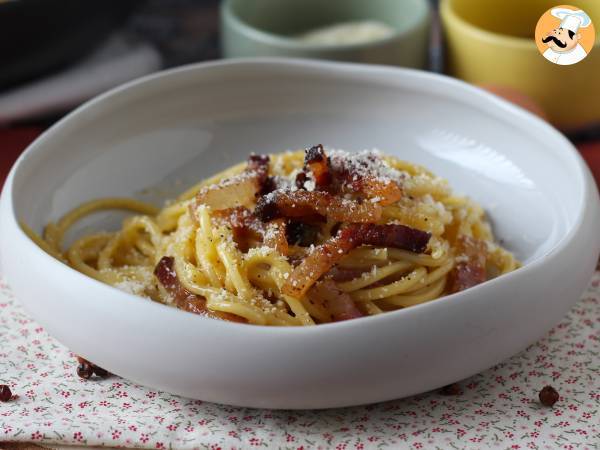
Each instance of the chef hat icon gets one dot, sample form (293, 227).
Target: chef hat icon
(570, 19)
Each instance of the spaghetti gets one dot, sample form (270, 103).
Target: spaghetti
(297, 238)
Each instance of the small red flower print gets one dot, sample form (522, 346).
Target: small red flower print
(116, 434)
(172, 427)
(189, 428)
(122, 394)
(515, 446)
(359, 446)
(144, 438)
(78, 436)
(151, 394)
(202, 422)
(417, 445)
(132, 428)
(126, 405)
(233, 434)
(255, 442)
(159, 445)
(289, 437)
(65, 394)
(36, 436)
(7, 429)
(215, 447)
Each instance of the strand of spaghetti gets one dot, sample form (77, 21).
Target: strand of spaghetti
(422, 295)
(378, 273)
(44, 245)
(404, 284)
(280, 270)
(206, 253)
(439, 272)
(419, 259)
(371, 308)
(54, 233)
(86, 248)
(231, 259)
(367, 252)
(105, 257)
(168, 218)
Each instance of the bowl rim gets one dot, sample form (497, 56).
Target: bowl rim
(278, 40)
(584, 178)
(452, 19)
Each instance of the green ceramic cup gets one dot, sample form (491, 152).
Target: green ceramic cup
(266, 28)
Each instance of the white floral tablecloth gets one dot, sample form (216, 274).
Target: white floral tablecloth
(497, 408)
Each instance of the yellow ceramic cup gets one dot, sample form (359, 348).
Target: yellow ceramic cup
(492, 41)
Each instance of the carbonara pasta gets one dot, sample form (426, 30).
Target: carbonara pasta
(297, 238)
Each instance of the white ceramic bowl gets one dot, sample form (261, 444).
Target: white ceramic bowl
(176, 127)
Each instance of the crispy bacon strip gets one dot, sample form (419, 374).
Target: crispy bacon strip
(338, 303)
(184, 299)
(396, 236)
(319, 261)
(329, 253)
(303, 203)
(259, 164)
(239, 190)
(471, 271)
(317, 162)
(387, 192)
(348, 180)
(230, 193)
(246, 225)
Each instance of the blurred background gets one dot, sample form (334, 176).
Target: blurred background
(80, 49)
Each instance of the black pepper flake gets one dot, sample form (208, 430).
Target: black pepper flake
(5, 393)
(548, 396)
(85, 371)
(99, 371)
(451, 389)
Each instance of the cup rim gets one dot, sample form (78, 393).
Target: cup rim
(449, 14)
(423, 16)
